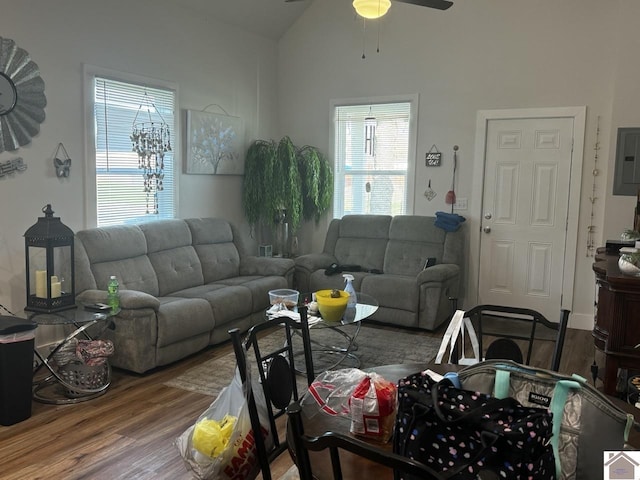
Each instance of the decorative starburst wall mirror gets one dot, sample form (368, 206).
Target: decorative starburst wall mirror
(22, 98)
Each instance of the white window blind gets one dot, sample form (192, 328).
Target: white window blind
(120, 194)
(371, 158)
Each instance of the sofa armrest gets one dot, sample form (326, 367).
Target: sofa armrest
(129, 299)
(314, 261)
(438, 273)
(253, 265)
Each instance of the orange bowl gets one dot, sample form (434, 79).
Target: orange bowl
(331, 308)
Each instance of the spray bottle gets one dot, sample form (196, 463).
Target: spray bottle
(348, 278)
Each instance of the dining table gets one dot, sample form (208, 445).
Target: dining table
(316, 423)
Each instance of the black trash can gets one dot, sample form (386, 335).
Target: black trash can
(17, 339)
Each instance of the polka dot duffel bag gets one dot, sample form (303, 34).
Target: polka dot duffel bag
(467, 435)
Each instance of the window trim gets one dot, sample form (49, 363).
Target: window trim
(414, 101)
(90, 72)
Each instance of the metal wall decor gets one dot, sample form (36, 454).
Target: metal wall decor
(22, 98)
(62, 165)
(151, 139)
(12, 166)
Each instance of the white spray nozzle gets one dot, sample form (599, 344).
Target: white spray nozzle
(347, 277)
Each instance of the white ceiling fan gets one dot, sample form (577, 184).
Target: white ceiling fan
(377, 8)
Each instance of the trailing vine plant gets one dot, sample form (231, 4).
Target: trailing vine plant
(281, 176)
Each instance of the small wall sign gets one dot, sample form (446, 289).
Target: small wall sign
(433, 157)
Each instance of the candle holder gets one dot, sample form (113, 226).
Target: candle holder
(49, 257)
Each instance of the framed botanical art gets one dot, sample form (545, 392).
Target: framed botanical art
(215, 144)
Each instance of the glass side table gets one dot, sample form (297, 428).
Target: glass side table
(81, 383)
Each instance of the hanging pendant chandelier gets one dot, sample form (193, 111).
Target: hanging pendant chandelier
(151, 140)
(371, 9)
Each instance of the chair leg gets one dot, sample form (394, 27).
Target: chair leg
(261, 449)
(562, 330)
(303, 462)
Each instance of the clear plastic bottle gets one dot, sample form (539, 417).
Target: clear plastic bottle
(348, 279)
(113, 293)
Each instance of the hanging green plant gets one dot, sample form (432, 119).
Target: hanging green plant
(279, 176)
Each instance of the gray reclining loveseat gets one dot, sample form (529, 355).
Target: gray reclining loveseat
(390, 254)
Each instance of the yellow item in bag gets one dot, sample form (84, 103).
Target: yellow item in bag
(211, 437)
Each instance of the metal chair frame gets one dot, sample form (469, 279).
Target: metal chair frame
(251, 343)
(335, 442)
(477, 313)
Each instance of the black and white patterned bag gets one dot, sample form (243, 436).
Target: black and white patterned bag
(465, 435)
(586, 422)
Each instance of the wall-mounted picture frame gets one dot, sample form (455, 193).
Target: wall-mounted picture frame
(215, 144)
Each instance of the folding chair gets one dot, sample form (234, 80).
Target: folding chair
(277, 375)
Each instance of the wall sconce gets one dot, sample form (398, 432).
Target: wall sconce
(50, 268)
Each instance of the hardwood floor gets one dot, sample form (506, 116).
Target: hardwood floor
(128, 433)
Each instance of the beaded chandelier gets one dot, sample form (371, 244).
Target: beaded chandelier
(151, 140)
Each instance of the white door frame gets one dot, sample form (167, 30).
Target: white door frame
(579, 115)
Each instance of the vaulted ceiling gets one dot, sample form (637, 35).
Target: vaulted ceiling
(270, 18)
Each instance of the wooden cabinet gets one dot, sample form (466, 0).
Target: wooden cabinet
(616, 332)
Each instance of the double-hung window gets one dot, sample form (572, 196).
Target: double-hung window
(121, 195)
(374, 146)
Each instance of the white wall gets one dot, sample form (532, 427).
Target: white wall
(478, 55)
(211, 63)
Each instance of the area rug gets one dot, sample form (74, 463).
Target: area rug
(375, 346)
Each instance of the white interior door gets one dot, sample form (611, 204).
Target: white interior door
(524, 213)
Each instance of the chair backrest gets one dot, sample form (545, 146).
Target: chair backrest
(488, 319)
(276, 369)
(334, 442)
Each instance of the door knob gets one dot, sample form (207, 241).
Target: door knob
(487, 216)
(486, 229)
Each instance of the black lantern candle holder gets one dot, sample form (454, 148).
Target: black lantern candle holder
(50, 269)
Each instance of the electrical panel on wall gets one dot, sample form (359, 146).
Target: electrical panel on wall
(627, 173)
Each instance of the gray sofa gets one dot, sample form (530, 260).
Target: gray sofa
(408, 294)
(183, 285)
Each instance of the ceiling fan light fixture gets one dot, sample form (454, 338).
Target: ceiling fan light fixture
(371, 9)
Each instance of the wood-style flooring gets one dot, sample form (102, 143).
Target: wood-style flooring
(128, 433)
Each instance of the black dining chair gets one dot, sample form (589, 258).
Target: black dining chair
(508, 324)
(276, 374)
(334, 442)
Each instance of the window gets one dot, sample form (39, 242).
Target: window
(120, 195)
(373, 152)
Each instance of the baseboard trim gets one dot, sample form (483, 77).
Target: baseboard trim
(581, 321)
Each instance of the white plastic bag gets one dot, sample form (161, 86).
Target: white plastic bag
(459, 328)
(238, 461)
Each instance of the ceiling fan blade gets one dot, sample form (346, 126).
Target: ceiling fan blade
(439, 4)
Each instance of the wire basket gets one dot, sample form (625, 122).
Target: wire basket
(66, 353)
(87, 378)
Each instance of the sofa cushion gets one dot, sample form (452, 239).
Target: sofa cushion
(228, 302)
(363, 240)
(214, 244)
(182, 318)
(393, 291)
(104, 248)
(412, 240)
(258, 286)
(173, 258)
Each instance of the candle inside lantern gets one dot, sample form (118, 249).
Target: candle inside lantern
(56, 289)
(41, 283)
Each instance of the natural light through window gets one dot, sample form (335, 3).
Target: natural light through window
(372, 158)
(120, 188)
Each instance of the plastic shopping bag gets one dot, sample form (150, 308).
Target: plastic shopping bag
(458, 330)
(221, 443)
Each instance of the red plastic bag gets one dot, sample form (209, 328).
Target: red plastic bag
(373, 407)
